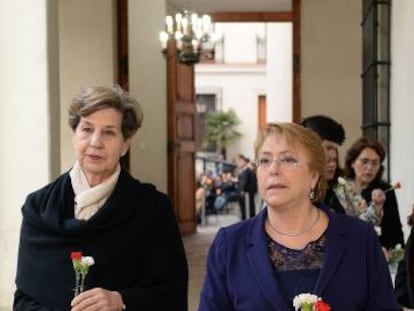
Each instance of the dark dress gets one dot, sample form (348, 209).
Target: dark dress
(133, 238)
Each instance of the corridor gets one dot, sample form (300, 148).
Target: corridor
(196, 247)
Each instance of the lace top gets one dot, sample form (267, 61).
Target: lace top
(296, 271)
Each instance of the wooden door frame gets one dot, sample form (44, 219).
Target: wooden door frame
(291, 16)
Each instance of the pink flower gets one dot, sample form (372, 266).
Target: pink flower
(394, 187)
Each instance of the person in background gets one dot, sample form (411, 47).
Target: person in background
(199, 199)
(209, 184)
(332, 135)
(404, 280)
(295, 245)
(247, 184)
(226, 190)
(97, 208)
(363, 173)
(230, 186)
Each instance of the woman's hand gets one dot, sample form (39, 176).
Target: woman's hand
(378, 197)
(97, 299)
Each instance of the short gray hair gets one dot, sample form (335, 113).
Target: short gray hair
(93, 98)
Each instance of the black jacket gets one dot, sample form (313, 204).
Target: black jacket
(405, 275)
(133, 238)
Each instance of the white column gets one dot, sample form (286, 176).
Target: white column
(279, 75)
(402, 92)
(28, 73)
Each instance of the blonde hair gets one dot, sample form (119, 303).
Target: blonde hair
(297, 135)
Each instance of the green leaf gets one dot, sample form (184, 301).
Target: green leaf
(221, 128)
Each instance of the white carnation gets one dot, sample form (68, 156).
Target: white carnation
(302, 299)
(87, 261)
(341, 181)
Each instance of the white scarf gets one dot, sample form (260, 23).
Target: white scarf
(88, 200)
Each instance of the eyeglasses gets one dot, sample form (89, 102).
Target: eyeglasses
(366, 161)
(285, 162)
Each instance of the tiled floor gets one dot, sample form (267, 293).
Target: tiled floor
(196, 247)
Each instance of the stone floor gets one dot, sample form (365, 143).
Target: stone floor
(196, 247)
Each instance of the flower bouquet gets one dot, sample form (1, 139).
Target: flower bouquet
(397, 254)
(355, 205)
(353, 202)
(309, 302)
(81, 266)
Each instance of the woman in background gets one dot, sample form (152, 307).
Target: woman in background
(364, 169)
(332, 134)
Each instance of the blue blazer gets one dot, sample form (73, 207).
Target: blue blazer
(354, 274)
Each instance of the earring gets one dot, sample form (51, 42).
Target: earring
(312, 193)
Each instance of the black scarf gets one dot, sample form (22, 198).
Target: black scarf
(120, 236)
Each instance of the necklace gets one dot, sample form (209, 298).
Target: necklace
(312, 225)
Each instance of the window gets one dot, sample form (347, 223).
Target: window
(204, 104)
(376, 72)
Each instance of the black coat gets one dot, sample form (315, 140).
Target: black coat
(247, 181)
(332, 201)
(404, 280)
(133, 238)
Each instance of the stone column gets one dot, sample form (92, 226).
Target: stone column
(29, 97)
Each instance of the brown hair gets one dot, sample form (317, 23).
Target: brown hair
(305, 138)
(356, 149)
(92, 99)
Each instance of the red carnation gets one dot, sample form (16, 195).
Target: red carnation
(76, 255)
(321, 305)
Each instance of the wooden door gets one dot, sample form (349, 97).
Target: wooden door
(181, 140)
(262, 112)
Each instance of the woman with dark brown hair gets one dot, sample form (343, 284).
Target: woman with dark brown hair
(363, 172)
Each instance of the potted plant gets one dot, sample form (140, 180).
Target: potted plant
(221, 130)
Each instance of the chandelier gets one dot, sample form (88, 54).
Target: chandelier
(191, 34)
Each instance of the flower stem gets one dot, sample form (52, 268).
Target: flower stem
(77, 285)
(82, 283)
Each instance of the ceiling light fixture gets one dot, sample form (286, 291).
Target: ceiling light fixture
(190, 32)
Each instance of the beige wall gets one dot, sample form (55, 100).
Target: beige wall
(331, 62)
(147, 83)
(87, 56)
